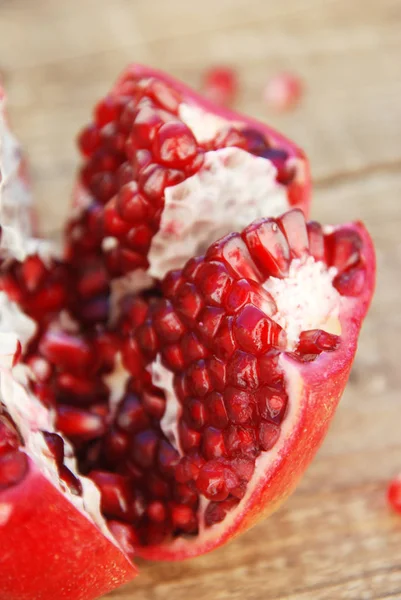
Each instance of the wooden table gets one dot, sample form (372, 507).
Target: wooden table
(335, 539)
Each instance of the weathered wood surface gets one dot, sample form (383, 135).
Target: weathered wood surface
(335, 539)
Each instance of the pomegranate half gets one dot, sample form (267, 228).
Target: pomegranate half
(158, 398)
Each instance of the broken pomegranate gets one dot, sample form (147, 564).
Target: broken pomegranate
(157, 407)
(165, 173)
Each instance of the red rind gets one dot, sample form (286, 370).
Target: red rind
(50, 550)
(319, 386)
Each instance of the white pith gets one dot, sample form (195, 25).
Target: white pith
(232, 189)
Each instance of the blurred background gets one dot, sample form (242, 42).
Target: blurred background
(336, 538)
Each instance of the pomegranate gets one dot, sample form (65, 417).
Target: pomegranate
(159, 407)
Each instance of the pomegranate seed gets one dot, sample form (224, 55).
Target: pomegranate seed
(343, 249)
(189, 302)
(283, 91)
(144, 448)
(131, 416)
(9, 438)
(394, 494)
(217, 511)
(33, 273)
(255, 332)
(55, 444)
(198, 380)
(217, 413)
(75, 422)
(272, 403)
(240, 441)
(214, 282)
(220, 85)
(268, 247)
(316, 341)
(316, 240)
(116, 498)
(156, 512)
(125, 536)
(268, 435)
(213, 443)
(13, 468)
(189, 438)
(294, 227)
(89, 140)
(168, 458)
(183, 517)
(350, 282)
(239, 406)
(67, 351)
(130, 204)
(196, 414)
(216, 480)
(174, 145)
(116, 445)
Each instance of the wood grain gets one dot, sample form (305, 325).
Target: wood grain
(335, 539)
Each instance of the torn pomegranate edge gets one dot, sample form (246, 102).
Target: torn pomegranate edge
(269, 489)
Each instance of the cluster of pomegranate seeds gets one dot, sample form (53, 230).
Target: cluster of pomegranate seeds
(39, 287)
(136, 147)
(13, 461)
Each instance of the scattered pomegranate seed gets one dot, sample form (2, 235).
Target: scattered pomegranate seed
(283, 91)
(394, 494)
(220, 85)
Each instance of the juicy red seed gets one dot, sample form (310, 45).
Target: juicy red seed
(140, 160)
(116, 445)
(394, 494)
(174, 145)
(139, 238)
(189, 438)
(220, 85)
(173, 358)
(213, 443)
(214, 282)
(217, 412)
(196, 414)
(113, 224)
(93, 281)
(233, 251)
(157, 512)
(78, 423)
(283, 91)
(154, 404)
(48, 299)
(33, 273)
(116, 498)
(316, 240)
(316, 341)
(269, 247)
(167, 323)
(198, 379)
(167, 97)
(269, 371)
(13, 468)
(188, 468)
(145, 125)
(131, 416)
(103, 186)
(268, 435)
(243, 371)
(132, 357)
(351, 282)
(168, 458)
(126, 537)
(192, 349)
(183, 517)
(9, 438)
(72, 482)
(217, 511)
(224, 340)
(144, 448)
(67, 351)
(272, 403)
(171, 283)
(185, 494)
(209, 321)
(107, 110)
(343, 249)
(157, 487)
(130, 204)
(239, 406)
(256, 141)
(216, 480)
(217, 373)
(256, 332)
(294, 227)
(89, 140)
(55, 444)
(241, 441)
(188, 301)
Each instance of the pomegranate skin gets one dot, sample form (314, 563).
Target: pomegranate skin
(316, 388)
(54, 550)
